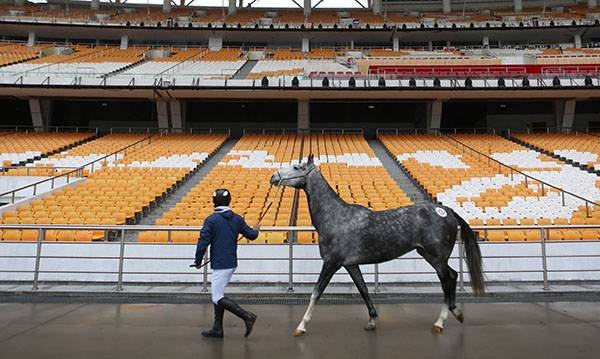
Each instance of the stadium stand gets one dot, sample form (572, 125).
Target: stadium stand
(197, 63)
(119, 192)
(478, 188)
(245, 171)
(346, 161)
(21, 147)
(82, 61)
(250, 17)
(293, 62)
(200, 63)
(486, 193)
(12, 53)
(579, 148)
(90, 152)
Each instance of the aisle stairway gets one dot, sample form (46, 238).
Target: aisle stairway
(182, 191)
(245, 70)
(404, 181)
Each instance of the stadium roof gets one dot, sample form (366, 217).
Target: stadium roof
(294, 4)
(387, 5)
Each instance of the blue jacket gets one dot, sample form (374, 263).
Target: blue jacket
(221, 230)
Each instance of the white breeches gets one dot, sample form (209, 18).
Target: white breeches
(220, 280)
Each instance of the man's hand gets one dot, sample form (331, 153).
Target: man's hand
(198, 266)
(256, 226)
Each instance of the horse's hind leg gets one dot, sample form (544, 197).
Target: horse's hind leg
(327, 272)
(447, 278)
(358, 279)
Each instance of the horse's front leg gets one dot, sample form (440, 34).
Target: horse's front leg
(327, 271)
(358, 279)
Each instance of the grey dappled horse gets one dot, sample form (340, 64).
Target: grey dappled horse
(350, 235)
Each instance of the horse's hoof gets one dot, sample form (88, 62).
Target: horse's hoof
(436, 329)
(370, 327)
(460, 317)
(298, 332)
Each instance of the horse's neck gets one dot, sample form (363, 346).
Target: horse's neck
(322, 199)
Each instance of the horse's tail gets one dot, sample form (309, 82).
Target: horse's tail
(473, 256)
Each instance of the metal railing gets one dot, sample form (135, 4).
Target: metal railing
(18, 129)
(312, 131)
(435, 131)
(124, 256)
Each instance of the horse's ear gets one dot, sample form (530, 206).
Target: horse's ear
(311, 159)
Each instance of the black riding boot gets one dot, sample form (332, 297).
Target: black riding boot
(217, 329)
(247, 317)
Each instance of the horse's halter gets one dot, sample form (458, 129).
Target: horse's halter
(281, 179)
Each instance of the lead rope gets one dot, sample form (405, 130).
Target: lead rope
(260, 217)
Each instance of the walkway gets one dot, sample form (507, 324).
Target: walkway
(491, 330)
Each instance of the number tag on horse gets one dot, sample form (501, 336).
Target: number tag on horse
(441, 212)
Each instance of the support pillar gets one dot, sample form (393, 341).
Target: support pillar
(592, 4)
(31, 38)
(307, 8)
(162, 114)
(434, 115)
(377, 7)
(396, 43)
(303, 114)
(232, 10)
(564, 113)
(577, 41)
(518, 5)
(124, 42)
(215, 43)
(446, 6)
(305, 44)
(486, 42)
(95, 5)
(167, 7)
(430, 45)
(176, 118)
(40, 114)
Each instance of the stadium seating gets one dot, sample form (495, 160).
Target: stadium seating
(11, 53)
(484, 192)
(245, 171)
(91, 151)
(83, 61)
(346, 161)
(580, 148)
(249, 17)
(25, 146)
(293, 62)
(121, 191)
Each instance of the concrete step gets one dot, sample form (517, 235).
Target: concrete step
(245, 70)
(399, 174)
(125, 68)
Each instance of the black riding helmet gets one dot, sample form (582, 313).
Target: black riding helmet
(221, 197)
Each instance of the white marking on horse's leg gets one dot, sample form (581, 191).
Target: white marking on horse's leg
(439, 325)
(371, 324)
(458, 314)
(301, 329)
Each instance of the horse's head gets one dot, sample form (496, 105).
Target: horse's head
(294, 176)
